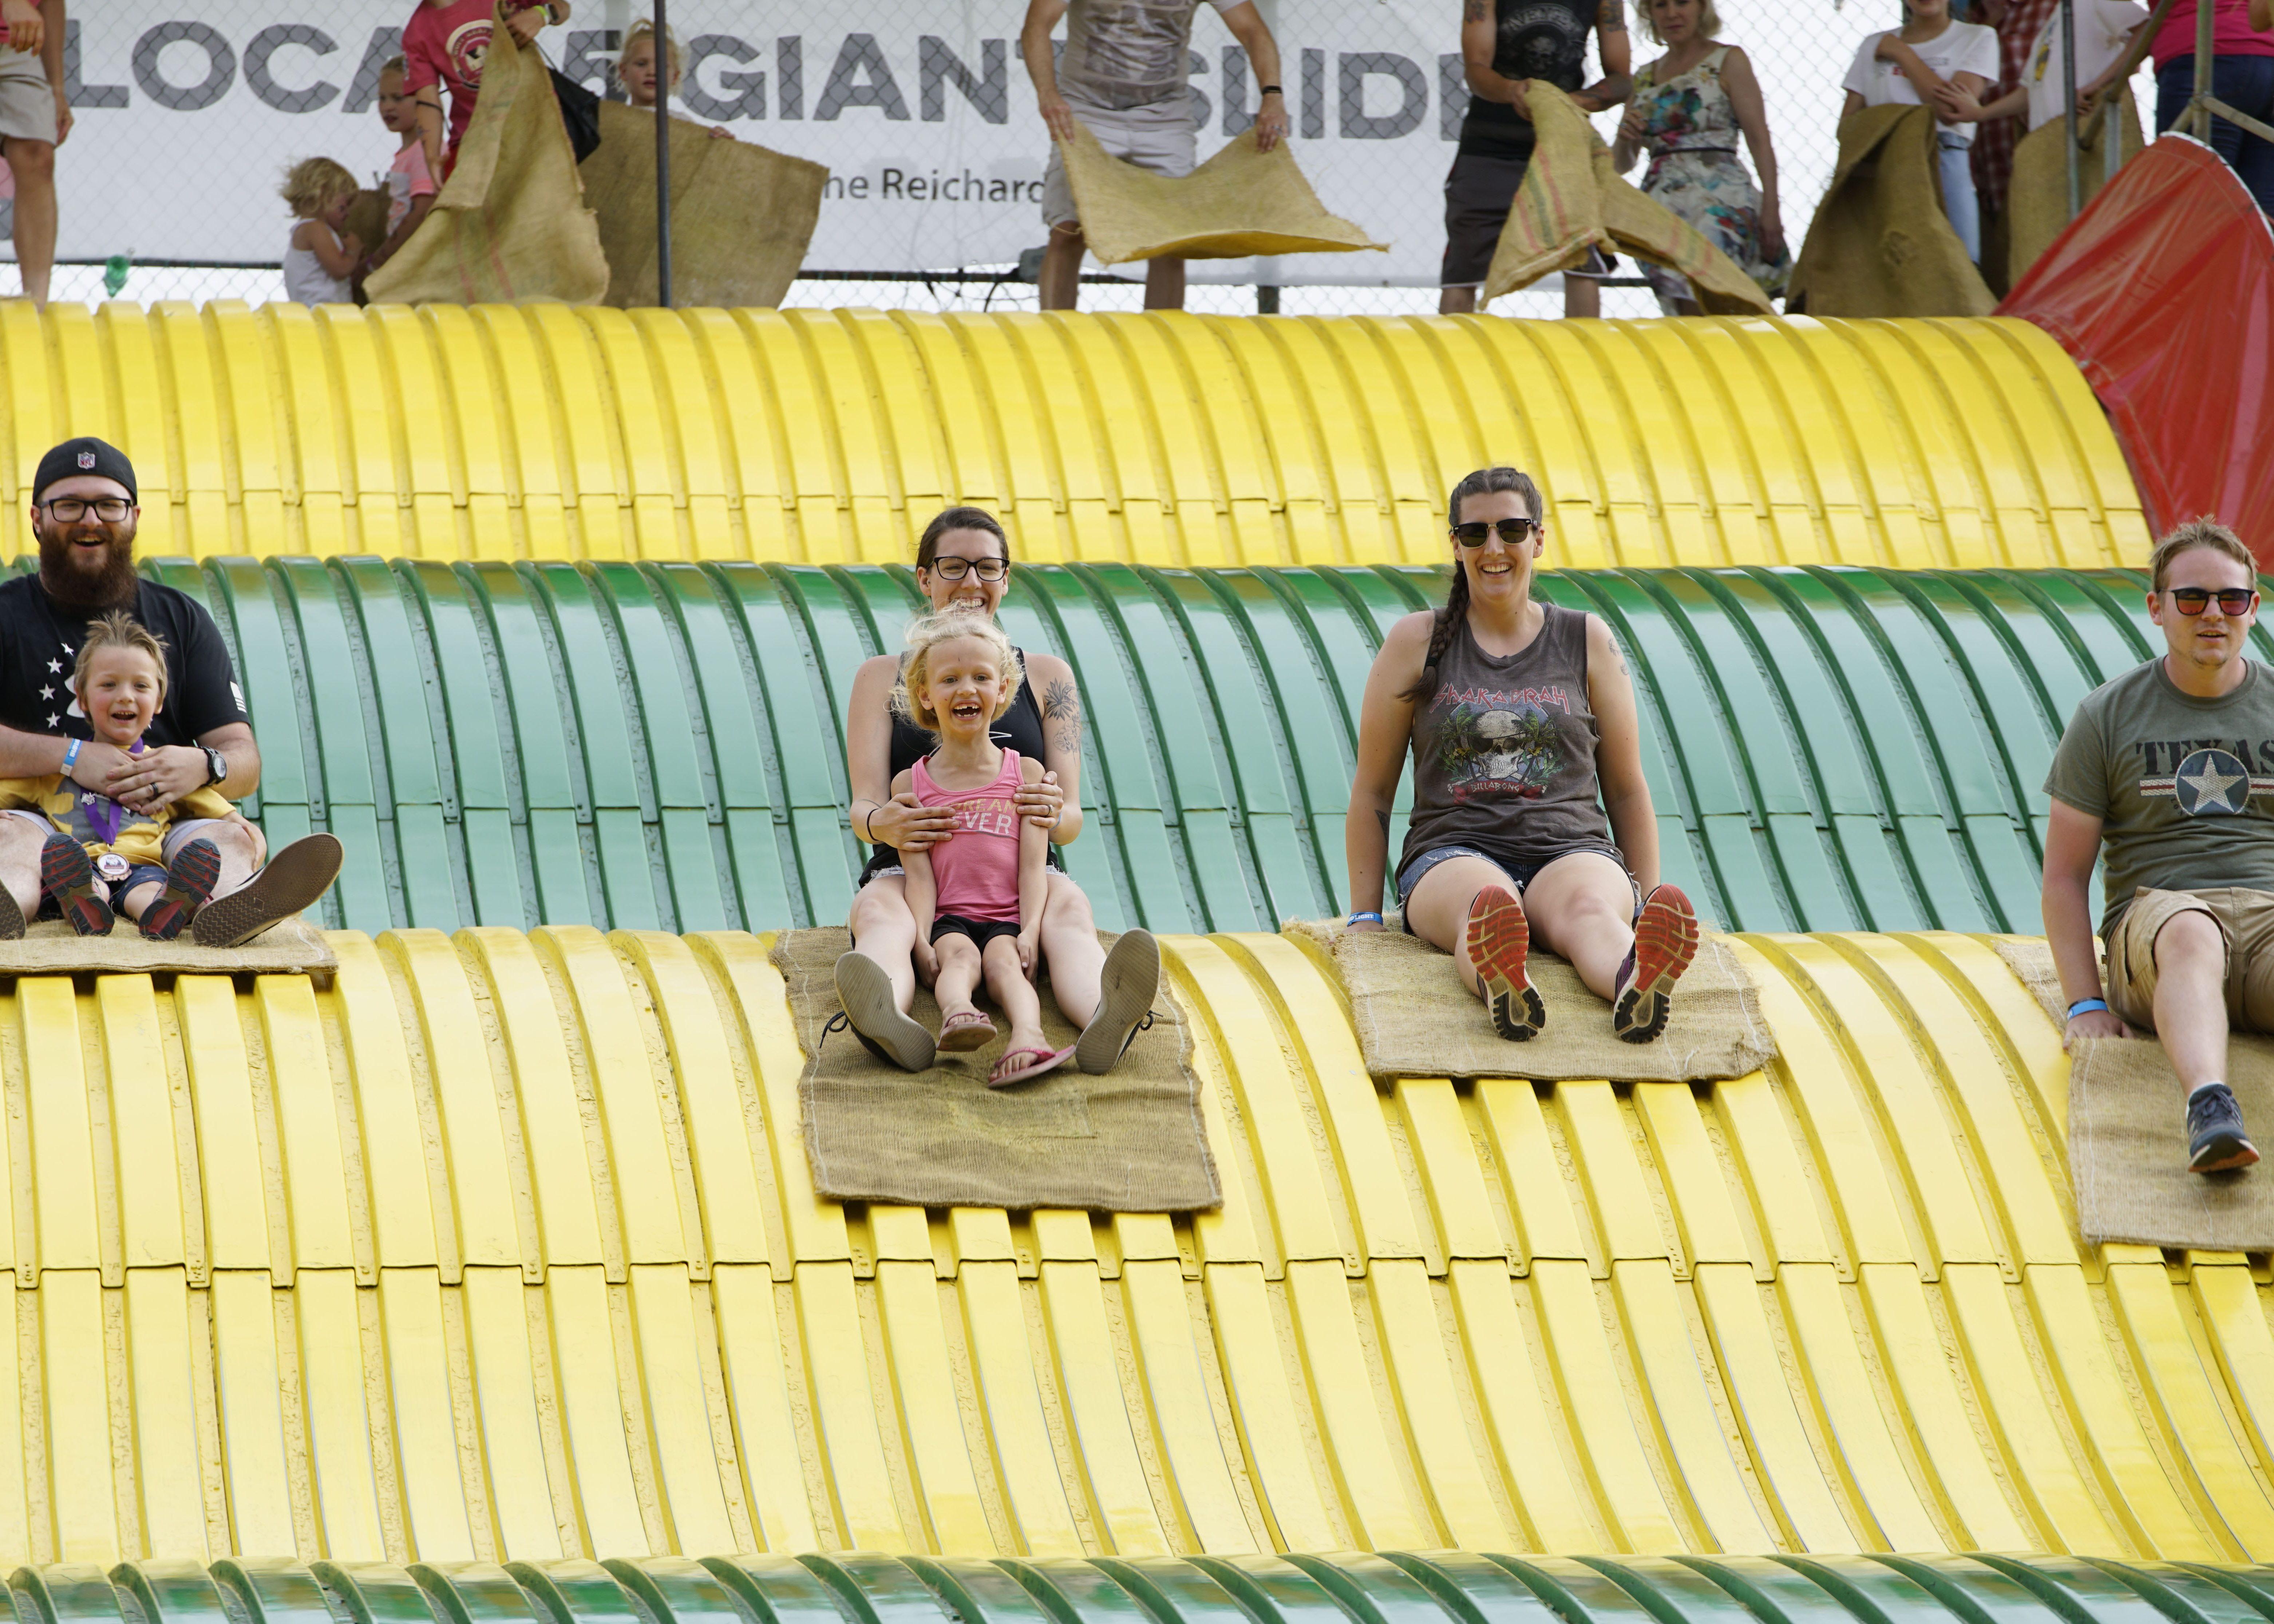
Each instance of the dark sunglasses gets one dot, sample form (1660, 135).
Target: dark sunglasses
(986, 569)
(1513, 533)
(2234, 600)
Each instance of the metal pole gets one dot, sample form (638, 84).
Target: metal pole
(2068, 96)
(663, 66)
(2198, 116)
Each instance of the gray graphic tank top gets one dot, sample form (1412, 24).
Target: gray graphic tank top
(1504, 751)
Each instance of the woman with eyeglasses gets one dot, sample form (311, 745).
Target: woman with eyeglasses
(1530, 810)
(963, 563)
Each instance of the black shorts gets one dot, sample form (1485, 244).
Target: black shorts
(980, 931)
(1479, 191)
(883, 860)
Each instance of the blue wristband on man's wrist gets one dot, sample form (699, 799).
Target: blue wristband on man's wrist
(1357, 918)
(71, 756)
(2086, 1007)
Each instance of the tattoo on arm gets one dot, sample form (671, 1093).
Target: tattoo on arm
(1609, 18)
(1062, 709)
(1473, 11)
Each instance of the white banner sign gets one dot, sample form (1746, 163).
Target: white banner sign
(189, 110)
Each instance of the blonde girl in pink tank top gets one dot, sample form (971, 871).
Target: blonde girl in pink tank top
(977, 896)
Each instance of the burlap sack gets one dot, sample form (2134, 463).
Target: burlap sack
(1240, 202)
(1572, 200)
(292, 947)
(2128, 1134)
(1414, 1018)
(2037, 198)
(367, 220)
(1880, 244)
(742, 214)
(1130, 1141)
(509, 226)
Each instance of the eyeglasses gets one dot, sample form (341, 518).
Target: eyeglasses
(71, 510)
(1513, 533)
(956, 568)
(2235, 600)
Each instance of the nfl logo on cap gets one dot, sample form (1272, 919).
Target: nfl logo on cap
(86, 459)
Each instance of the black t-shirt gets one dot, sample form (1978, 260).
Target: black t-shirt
(1535, 38)
(39, 641)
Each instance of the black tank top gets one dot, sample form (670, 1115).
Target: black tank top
(1020, 728)
(1532, 39)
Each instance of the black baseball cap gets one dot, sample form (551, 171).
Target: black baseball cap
(87, 455)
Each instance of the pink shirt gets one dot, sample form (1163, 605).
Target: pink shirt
(976, 870)
(2230, 33)
(408, 179)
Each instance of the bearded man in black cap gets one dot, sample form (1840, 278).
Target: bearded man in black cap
(84, 511)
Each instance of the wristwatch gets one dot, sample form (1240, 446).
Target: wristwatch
(216, 765)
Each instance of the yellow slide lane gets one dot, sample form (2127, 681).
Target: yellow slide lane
(833, 436)
(503, 1247)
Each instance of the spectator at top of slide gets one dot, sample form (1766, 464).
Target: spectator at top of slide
(1129, 53)
(643, 75)
(2104, 34)
(35, 116)
(444, 45)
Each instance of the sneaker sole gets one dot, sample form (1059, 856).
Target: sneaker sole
(2224, 1155)
(12, 917)
(875, 1018)
(1665, 942)
(290, 882)
(190, 880)
(67, 876)
(1130, 979)
(1499, 942)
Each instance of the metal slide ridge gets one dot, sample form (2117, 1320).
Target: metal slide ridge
(503, 1248)
(502, 744)
(832, 437)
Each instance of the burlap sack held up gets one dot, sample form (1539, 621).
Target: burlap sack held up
(1240, 202)
(1572, 200)
(2037, 198)
(1414, 1018)
(1880, 244)
(742, 214)
(1130, 1141)
(291, 947)
(2128, 1134)
(509, 226)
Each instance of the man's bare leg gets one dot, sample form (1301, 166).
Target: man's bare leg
(1583, 298)
(1164, 284)
(1457, 301)
(2191, 998)
(21, 840)
(1060, 283)
(33, 165)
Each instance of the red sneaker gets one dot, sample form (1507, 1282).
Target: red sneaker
(1666, 940)
(1499, 940)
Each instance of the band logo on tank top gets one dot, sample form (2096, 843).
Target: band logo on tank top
(1493, 743)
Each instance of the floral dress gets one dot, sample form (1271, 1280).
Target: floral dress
(1690, 133)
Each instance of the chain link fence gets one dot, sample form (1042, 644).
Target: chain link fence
(189, 111)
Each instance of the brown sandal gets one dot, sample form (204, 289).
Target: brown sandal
(966, 1030)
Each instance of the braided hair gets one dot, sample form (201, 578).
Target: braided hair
(1482, 482)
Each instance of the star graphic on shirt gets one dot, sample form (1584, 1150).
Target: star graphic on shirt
(68, 649)
(46, 693)
(2210, 784)
(54, 664)
(53, 719)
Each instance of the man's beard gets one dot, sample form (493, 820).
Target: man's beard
(69, 580)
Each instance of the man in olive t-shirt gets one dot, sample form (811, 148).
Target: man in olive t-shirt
(2166, 776)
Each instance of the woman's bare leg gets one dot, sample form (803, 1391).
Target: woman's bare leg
(1070, 948)
(885, 930)
(1582, 909)
(1439, 908)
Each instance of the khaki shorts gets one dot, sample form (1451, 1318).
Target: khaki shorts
(2245, 923)
(1159, 137)
(27, 101)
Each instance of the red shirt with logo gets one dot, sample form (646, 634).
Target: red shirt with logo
(445, 45)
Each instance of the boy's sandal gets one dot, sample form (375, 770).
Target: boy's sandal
(1019, 1065)
(190, 880)
(67, 876)
(966, 1030)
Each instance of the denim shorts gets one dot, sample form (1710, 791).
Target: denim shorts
(1519, 875)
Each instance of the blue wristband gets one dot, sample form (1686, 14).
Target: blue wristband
(1355, 918)
(2085, 1006)
(71, 756)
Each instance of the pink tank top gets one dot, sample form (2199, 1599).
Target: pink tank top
(977, 868)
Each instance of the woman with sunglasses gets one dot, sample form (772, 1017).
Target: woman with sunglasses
(963, 563)
(1530, 811)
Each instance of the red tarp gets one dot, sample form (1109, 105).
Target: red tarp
(2163, 292)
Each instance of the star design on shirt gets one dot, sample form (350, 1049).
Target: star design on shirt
(53, 719)
(46, 693)
(54, 664)
(69, 650)
(2211, 785)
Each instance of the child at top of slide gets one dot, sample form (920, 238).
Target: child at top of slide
(977, 896)
(104, 856)
(635, 70)
(321, 254)
(411, 184)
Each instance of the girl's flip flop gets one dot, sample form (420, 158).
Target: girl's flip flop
(967, 1029)
(1017, 1065)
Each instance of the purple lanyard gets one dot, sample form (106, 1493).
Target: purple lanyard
(105, 816)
